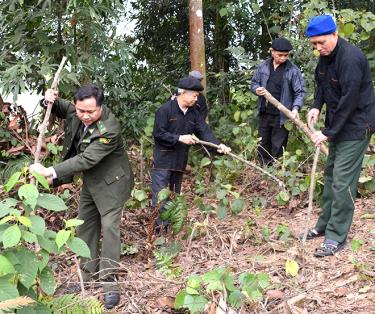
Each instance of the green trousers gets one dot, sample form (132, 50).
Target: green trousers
(341, 175)
(105, 261)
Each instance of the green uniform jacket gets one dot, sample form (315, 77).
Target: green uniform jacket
(101, 157)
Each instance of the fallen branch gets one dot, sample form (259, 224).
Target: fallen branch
(44, 124)
(279, 182)
(301, 125)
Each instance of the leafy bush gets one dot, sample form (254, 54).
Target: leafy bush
(26, 243)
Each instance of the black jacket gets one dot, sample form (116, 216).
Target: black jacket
(292, 90)
(170, 123)
(344, 84)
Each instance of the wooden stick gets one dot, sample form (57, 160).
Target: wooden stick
(79, 272)
(279, 182)
(311, 190)
(44, 124)
(301, 125)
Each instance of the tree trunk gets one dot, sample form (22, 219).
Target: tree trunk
(196, 35)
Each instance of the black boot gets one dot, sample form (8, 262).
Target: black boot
(111, 299)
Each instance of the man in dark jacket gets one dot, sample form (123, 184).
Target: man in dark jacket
(284, 81)
(175, 122)
(344, 84)
(94, 146)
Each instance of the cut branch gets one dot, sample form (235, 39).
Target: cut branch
(44, 124)
(279, 182)
(300, 124)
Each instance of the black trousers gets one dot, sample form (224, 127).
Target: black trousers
(160, 180)
(274, 138)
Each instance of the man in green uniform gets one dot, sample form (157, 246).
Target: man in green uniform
(94, 146)
(344, 84)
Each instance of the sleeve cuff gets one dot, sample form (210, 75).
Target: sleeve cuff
(52, 170)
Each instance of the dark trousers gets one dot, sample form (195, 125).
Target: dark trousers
(274, 138)
(341, 175)
(105, 261)
(160, 180)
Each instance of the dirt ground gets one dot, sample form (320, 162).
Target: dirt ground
(343, 283)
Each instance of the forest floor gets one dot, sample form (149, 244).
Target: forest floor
(343, 283)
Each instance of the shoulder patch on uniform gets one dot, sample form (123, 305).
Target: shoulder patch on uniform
(102, 129)
(104, 140)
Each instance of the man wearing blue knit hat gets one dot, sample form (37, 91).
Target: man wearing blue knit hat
(344, 85)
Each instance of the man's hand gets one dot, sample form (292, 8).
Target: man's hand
(312, 116)
(51, 95)
(223, 149)
(187, 139)
(318, 138)
(295, 114)
(260, 91)
(40, 169)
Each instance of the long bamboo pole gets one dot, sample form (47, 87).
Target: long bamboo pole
(44, 125)
(300, 124)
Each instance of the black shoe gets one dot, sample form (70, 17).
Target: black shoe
(312, 234)
(111, 299)
(329, 248)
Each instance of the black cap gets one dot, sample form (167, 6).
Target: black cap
(190, 83)
(281, 44)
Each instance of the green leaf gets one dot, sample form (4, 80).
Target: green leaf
(38, 225)
(236, 299)
(28, 267)
(238, 205)
(256, 8)
(205, 162)
(264, 280)
(221, 212)
(12, 181)
(51, 202)
(348, 29)
(213, 279)
(284, 196)
(42, 259)
(6, 266)
(195, 303)
(29, 194)
(223, 12)
(6, 205)
(163, 195)
(180, 299)
(192, 291)
(140, 195)
(28, 236)
(237, 116)
(62, 237)
(194, 281)
(229, 282)
(47, 281)
(79, 247)
(11, 236)
(356, 245)
(291, 268)
(42, 180)
(6, 219)
(73, 222)
(8, 290)
(25, 221)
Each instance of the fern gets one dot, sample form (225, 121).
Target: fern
(176, 212)
(74, 304)
(17, 303)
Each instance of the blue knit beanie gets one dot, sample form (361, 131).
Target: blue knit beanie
(320, 25)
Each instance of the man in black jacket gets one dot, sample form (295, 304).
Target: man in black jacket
(344, 84)
(284, 81)
(175, 122)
